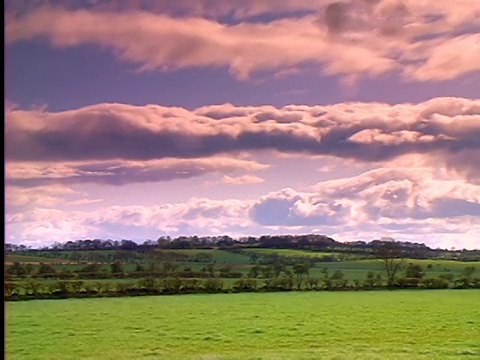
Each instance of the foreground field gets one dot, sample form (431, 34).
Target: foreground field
(439, 324)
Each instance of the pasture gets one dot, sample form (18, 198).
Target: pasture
(400, 324)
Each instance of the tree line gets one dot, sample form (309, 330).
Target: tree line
(313, 242)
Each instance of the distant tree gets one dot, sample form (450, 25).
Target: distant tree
(392, 259)
(116, 267)
(254, 271)
(327, 282)
(370, 280)
(356, 283)
(337, 275)
(414, 271)
(468, 271)
(91, 268)
(169, 267)
(277, 268)
(254, 257)
(139, 267)
(266, 271)
(29, 268)
(301, 269)
(128, 245)
(209, 269)
(17, 269)
(76, 256)
(46, 269)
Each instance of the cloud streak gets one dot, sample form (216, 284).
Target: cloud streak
(423, 41)
(118, 172)
(117, 137)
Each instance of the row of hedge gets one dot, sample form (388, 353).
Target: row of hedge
(68, 275)
(174, 285)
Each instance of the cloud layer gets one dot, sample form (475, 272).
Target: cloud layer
(421, 41)
(105, 141)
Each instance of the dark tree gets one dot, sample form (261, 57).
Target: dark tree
(391, 256)
(301, 269)
(414, 271)
(116, 267)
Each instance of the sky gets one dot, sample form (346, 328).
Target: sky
(140, 119)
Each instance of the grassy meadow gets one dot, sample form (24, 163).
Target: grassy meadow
(400, 324)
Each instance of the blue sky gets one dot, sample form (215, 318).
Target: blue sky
(133, 120)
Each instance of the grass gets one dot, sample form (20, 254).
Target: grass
(439, 324)
(12, 258)
(289, 252)
(218, 256)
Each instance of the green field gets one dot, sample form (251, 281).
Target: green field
(428, 324)
(289, 252)
(241, 262)
(11, 258)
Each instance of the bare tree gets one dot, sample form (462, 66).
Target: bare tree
(391, 256)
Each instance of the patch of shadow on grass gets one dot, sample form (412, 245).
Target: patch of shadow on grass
(218, 338)
(469, 353)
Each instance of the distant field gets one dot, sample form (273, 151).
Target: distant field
(12, 258)
(219, 256)
(436, 324)
(290, 252)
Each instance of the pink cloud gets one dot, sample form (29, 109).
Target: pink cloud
(118, 136)
(242, 180)
(426, 41)
(121, 172)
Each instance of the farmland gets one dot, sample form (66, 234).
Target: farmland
(243, 302)
(402, 324)
(154, 270)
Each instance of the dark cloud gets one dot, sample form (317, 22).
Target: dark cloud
(393, 19)
(386, 18)
(367, 132)
(336, 17)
